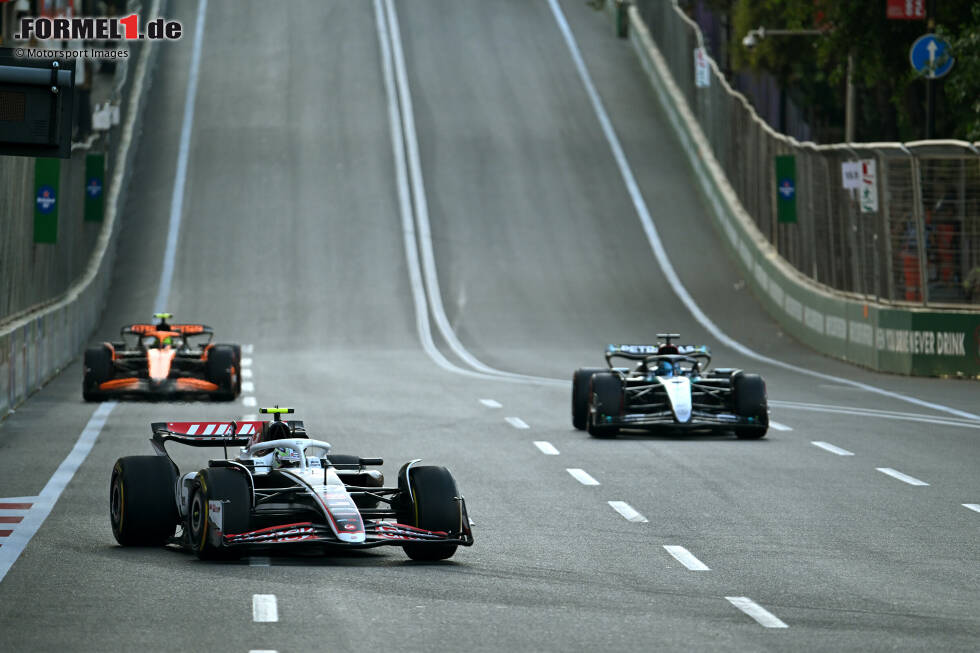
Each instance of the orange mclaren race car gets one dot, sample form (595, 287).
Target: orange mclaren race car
(163, 361)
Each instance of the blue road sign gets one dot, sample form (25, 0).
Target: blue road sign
(931, 56)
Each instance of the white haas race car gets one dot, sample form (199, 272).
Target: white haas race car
(670, 389)
(283, 489)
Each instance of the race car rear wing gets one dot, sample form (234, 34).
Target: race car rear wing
(140, 329)
(642, 352)
(209, 433)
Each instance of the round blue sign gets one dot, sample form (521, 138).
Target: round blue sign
(931, 57)
(94, 187)
(786, 189)
(45, 199)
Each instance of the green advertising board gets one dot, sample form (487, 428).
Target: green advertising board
(786, 188)
(47, 173)
(94, 187)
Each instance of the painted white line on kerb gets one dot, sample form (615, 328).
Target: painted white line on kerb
(546, 447)
(490, 403)
(264, 608)
(627, 511)
(905, 478)
(582, 476)
(756, 611)
(180, 176)
(248, 401)
(780, 427)
(246, 373)
(975, 507)
(248, 386)
(14, 544)
(517, 423)
(672, 280)
(686, 558)
(246, 362)
(826, 446)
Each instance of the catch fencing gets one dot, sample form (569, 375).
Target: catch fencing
(907, 235)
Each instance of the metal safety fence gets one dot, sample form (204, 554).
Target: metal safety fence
(896, 223)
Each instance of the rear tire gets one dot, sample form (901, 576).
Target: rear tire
(580, 395)
(222, 371)
(231, 489)
(97, 370)
(749, 400)
(142, 503)
(605, 400)
(436, 507)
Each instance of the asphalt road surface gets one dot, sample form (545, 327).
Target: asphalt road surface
(405, 220)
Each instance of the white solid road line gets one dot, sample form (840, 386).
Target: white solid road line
(264, 608)
(582, 476)
(673, 281)
(780, 427)
(826, 446)
(490, 403)
(756, 611)
(975, 507)
(911, 480)
(517, 423)
(853, 411)
(249, 401)
(546, 447)
(627, 511)
(180, 176)
(14, 544)
(686, 558)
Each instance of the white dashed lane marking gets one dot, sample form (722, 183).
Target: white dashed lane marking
(259, 561)
(517, 423)
(546, 447)
(905, 478)
(250, 418)
(826, 446)
(780, 427)
(686, 558)
(248, 386)
(249, 401)
(246, 362)
(490, 403)
(582, 476)
(975, 507)
(246, 374)
(264, 608)
(627, 511)
(248, 349)
(756, 611)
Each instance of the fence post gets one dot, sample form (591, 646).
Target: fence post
(920, 228)
(886, 228)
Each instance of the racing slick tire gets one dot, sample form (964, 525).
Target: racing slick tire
(222, 371)
(227, 490)
(435, 507)
(98, 370)
(605, 400)
(580, 395)
(142, 509)
(749, 400)
(238, 369)
(361, 480)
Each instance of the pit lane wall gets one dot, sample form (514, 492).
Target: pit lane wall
(35, 346)
(914, 341)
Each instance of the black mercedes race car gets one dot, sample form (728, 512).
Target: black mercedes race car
(282, 489)
(670, 388)
(163, 361)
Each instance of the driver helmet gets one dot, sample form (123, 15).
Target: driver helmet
(664, 368)
(279, 431)
(168, 341)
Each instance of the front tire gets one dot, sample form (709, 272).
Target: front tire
(750, 401)
(227, 491)
(580, 395)
(142, 503)
(97, 370)
(436, 507)
(605, 401)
